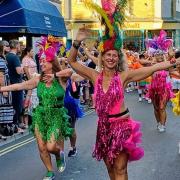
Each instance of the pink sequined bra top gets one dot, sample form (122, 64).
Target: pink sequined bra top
(110, 102)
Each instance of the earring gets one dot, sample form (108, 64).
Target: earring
(117, 67)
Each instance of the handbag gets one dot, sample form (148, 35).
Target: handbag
(6, 130)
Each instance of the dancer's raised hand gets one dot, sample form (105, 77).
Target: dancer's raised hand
(47, 78)
(83, 34)
(171, 52)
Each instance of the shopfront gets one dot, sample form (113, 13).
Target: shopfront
(135, 33)
(30, 18)
(133, 39)
(94, 27)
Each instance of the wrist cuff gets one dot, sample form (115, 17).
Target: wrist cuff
(76, 44)
(55, 76)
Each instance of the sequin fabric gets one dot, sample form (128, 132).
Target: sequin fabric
(118, 135)
(50, 117)
(160, 90)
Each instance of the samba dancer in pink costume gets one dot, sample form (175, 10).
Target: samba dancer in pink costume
(117, 133)
(160, 90)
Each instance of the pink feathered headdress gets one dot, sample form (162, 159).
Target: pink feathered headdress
(48, 47)
(159, 44)
(109, 6)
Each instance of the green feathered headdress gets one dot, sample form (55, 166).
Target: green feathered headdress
(112, 15)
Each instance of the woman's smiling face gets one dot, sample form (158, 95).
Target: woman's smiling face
(110, 59)
(45, 66)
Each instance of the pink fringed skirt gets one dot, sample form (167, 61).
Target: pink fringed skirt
(160, 90)
(118, 135)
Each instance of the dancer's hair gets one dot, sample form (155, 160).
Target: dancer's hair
(25, 52)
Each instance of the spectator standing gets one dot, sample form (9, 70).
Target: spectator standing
(175, 75)
(6, 48)
(6, 109)
(15, 74)
(30, 69)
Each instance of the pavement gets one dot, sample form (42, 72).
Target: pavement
(20, 159)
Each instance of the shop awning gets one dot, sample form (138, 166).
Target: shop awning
(31, 16)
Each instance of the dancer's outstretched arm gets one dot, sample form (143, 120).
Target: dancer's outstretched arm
(82, 70)
(76, 77)
(26, 85)
(64, 73)
(142, 73)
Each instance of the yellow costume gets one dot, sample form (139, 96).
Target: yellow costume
(176, 103)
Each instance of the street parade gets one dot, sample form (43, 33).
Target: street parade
(90, 89)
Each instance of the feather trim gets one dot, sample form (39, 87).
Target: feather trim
(99, 10)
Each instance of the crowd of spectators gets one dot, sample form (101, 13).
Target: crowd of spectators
(19, 63)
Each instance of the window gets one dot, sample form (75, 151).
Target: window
(178, 5)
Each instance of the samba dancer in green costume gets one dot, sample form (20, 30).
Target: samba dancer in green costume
(50, 121)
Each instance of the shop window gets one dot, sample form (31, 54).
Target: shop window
(133, 40)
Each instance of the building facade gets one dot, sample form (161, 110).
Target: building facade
(144, 19)
(76, 15)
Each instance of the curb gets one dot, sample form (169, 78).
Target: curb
(13, 138)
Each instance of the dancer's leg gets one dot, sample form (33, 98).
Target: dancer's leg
(44, 154)
(110, 169)
(120, 167)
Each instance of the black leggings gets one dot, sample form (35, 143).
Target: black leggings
(72, 121)
(17, 102)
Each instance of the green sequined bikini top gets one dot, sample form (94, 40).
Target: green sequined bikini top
(52, 96)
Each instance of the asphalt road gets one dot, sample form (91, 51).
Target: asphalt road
(20, 160)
